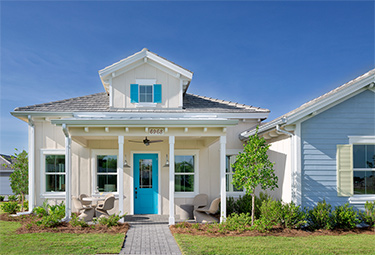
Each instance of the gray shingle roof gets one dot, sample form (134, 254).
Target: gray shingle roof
(100, 103)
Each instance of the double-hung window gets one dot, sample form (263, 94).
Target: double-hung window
(364, 169)
(146, 93)
(186, 172)
(106, 173)
(229, 171)
(55, 173)
(52, 172)
(356, 169)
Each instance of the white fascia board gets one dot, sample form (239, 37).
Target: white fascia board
(142, 122)
(171, 115)
(170, 65)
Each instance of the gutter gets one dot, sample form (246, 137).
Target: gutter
(279, 130)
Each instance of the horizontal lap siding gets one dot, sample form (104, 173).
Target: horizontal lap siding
(319, 137)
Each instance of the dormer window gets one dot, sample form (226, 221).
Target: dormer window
(145, 93)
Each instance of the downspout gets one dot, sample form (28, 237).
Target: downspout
(67, 173)
(31, 166)
(292, 159)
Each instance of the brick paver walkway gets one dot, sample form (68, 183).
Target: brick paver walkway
(149, 235)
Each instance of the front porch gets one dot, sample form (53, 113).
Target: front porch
(202, 142)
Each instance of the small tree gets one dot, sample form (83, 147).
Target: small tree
(19, 179)
(253, 169)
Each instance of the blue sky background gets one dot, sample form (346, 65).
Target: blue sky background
(273, 54)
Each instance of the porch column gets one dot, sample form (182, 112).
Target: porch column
(223, 193)
(171, 180)
(31, 164)
(120, 170)
(68, 179)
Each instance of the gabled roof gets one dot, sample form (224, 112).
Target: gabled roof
(143, 56)
(314, 106)
(100, 103)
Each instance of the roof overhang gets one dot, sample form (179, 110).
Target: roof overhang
(145, 122)
(316, 106)
(141, 57)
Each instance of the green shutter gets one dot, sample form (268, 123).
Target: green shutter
(134, 93)
(344, 162)
(157, 93)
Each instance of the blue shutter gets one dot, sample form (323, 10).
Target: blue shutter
(134, 93)
(157, 93)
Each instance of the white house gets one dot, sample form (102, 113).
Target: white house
(325, 149)
(120, 140)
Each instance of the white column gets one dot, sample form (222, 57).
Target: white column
(31, 165)
(68, 179)
(171, 180)
(223, 193)
(120, 171)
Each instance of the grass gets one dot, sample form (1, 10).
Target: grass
(56, 243)
(344, 244)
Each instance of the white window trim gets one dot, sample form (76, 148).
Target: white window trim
(236, 194)
(94, 154)
(43, 192)
(361, 140)
(147, 82)
(195, 153)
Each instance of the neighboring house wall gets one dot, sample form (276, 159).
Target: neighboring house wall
(171, 89)
(5, 172)
(319, 137)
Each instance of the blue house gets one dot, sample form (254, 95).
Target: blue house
(325, 149)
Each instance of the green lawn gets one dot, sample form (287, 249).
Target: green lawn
(56, 243)
(345, 244)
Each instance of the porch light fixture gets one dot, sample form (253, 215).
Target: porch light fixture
(126, 163)
(166, 161)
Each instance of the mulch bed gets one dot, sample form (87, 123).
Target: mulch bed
(28, 226)
(210, 230)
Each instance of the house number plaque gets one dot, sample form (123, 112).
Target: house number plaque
(156, 131)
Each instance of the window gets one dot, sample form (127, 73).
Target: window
(364, 169)
(229, 171)
(186, 173)
(54, 173)
(106, 173)
(145, 94)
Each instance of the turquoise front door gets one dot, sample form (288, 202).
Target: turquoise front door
(145, 183)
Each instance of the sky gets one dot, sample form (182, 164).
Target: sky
(270, 54)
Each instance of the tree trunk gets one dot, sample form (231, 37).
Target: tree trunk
(252, 207)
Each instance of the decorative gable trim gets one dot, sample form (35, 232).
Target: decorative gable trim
(141, 56)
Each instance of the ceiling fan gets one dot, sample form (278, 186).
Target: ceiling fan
(146, 141)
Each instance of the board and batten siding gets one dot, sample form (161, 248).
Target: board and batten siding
(319, 137)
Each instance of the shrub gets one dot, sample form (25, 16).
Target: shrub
(237, 222)
(10, 207)
(75, 221)
(271, 211)
(12, 198)
(231, 204)
(345, 217)
(26, 205)
(110, 221)
(41, 210)
(51, 215)
(369, 215)
(262, 225)
(320, 217)
(293, 216)
(243, 204)
(2, 198)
